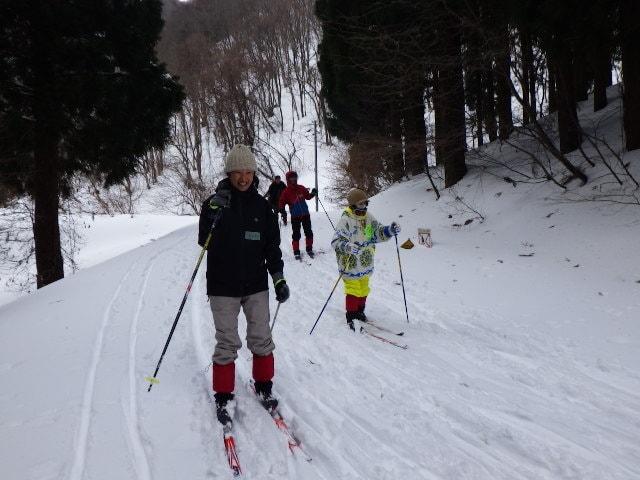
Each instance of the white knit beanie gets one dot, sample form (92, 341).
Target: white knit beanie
(239, 158)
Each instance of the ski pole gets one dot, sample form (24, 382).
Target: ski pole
(153, 379)
(275, 316)
(325, 303)
(404, 295)
(325, 212)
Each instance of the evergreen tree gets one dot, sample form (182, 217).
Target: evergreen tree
(81, 90)
(374, 59)
(343, 83)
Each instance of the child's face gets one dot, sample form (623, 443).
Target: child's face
(361, 208)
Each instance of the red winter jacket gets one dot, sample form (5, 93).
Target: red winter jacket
(295, 196)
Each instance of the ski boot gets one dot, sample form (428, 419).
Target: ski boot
(265, 396)
(351, 316)
(225, 406)
(310, 252)
(359, 315)
(296, 255)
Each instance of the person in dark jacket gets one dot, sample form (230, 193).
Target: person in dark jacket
(294, 196)
(273, 195)
(244, 248)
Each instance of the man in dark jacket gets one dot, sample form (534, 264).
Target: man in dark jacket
(244, 246)
(273, 195)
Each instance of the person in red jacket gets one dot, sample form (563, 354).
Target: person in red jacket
(294, 196)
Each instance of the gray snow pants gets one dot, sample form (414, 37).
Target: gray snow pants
(225, 317)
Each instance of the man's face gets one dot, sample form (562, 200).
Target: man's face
(293, 180)
(241, 179)
(277, 179)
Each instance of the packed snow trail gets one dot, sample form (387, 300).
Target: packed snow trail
(477, 394)
(383, 404)
(97, 414)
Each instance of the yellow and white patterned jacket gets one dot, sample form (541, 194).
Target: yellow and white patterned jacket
(363, 231)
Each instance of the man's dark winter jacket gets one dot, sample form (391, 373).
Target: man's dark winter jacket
(245, 243)
(274, 192)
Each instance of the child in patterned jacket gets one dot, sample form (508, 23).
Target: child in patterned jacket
(355, 241)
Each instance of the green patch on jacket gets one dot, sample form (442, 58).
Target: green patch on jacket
(368, 232)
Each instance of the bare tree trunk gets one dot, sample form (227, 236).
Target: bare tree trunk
(489, 103)
(451, 137)
(479, 97)
(46, 229)
(568, 126)
(630, 12)
(438, 118)
(581, 76)
(533, 97)
(395, 153)
(528, 78)
(503, 72)
(415, 133)
(602, 75)
(45, 190)
(553, 87)
(525, 68)
(196, 127)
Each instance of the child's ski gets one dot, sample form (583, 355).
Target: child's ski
(366, 332)
(381, 328)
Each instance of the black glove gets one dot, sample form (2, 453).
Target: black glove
(221, 199)
(314, 192)
(282, 290)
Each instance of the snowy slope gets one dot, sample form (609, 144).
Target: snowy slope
(517, 367)
(101, 237)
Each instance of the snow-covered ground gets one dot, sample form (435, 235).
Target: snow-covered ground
(523, 358)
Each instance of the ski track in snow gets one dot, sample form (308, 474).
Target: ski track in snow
(128, 400)
(131, 410)
(78, 468)
(211, 442)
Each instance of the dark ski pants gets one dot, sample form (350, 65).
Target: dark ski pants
(296, 223)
